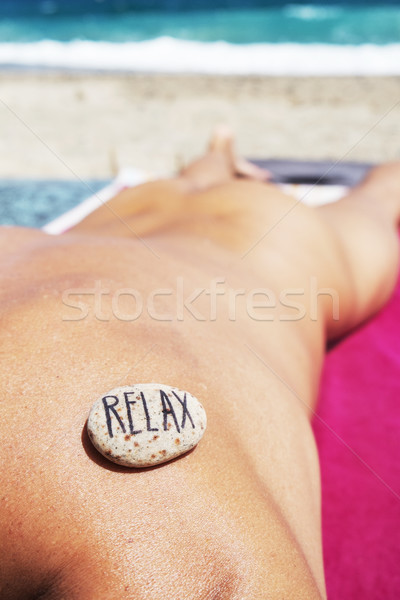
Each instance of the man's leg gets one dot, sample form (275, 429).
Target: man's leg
(353, 242)
(142, 210)
(364, 224)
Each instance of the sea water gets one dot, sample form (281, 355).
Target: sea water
(237, 37)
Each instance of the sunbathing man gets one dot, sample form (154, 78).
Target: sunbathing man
(239, 517)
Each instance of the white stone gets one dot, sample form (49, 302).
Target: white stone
(145, 424)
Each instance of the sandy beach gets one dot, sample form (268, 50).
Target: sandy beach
(79, 125)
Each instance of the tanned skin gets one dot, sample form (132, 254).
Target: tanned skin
(238, 518)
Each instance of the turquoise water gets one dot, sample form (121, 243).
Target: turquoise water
(307, 23)
(33, 203)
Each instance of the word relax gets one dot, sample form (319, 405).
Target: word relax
(167, 412)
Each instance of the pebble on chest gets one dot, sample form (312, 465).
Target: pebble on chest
(145, 424)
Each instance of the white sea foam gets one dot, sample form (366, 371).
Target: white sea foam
(169, 55)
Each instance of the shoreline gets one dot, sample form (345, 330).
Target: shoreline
(67, 125)
(169, 55)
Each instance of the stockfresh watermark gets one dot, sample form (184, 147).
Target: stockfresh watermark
(216, 300)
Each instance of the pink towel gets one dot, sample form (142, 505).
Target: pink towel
(358, 434)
